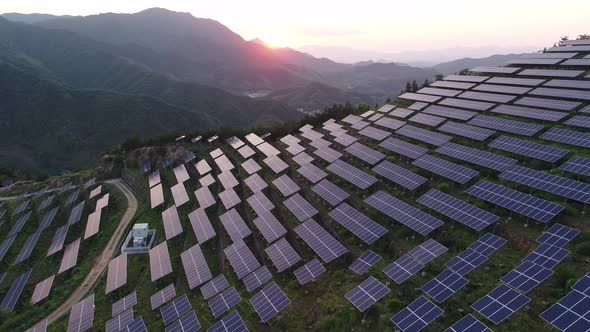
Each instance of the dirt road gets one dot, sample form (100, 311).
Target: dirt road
(102, 261)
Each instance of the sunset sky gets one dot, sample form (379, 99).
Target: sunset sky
(379, 26)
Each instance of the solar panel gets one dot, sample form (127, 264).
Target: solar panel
(224, 163)
(417, 315)
(320, 143)
(124, 303)
(352, 119)
(137, 325)
(117, 273)
(465, 78)
(119, 322)
(570, 313)
(449, 112)
(96, 191)
(529, 113)
(175, 309)
(180, 173)
(526, 276)
(309, 271)
(234, 225)
(403, 268)
(469, 324)
(328, 154)
(492, 69)
(579, 121)
(444, 285)
(188, 322)
(255, 183)
(454, 85)
(352, 174)
(251, 166)
(568, 84)
(269, 226)
(365, 153)
(330, 192)
(404, 213)
(513, 200)
(500, 304)
(532, 61)
(268, 149)
(227, 179)
(375, 117)
(567, 136)
(70, 257)
(235, 142)
(562, 93)
(359, 224)
(485, 96)
(58, 240)
(529, 149)
(295, 149)
(82, 315)
(562, 105)
(311, 172)
(39, 327)
(502, 89)
(548, 55)
(551, 73)
(16, 288)
(466, 261)
(428, 251)
(575, 190)
(282, 255)
(241, 259)
(374, 133)
(102, 202)
(171, 221)
(195, 266)
(269, 301)
(257, 278)
(201, 225)
(72, 198)
(516, 81)
(547, 255)
(578, 165)
(419, 97)
(260, 203)
(399, 175)
(290, 139)
(216, 153)
(21, 207)
(162, 296)
(367, 293)
(403, 148)
(27, 248)
(385, 108)
(426, 119)
(156, 196)
(246, 151)
(47, 201)
(214, 286)
(445, 168)
(465, 130)
(313, 135)
(320, 241)
(558, 235)
(301, 208)
(511, 126)
(42, 290)
(401, 112)
(302, 159)
(365, 262)
(423, 135)
(276, 164)
(189, 156)
(469, 104)
(203, 167)
(476, 156)
(229, 198)
(457, 209)
(224, 301)
(204, 197)
(390, 123)
(439, 92)
(230, 323)
(160, 264)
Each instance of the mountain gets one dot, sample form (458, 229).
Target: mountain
(28, 18)
(456, 66)
(204, 51)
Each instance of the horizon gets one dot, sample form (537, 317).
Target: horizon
(434, 31)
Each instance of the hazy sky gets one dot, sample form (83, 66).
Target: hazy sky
(381, 26)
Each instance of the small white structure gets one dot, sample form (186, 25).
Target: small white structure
(140, 240)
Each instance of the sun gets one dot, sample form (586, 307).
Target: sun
(276, 40)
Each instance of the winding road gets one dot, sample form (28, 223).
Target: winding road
(102, 261)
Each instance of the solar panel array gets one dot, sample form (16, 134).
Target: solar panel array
(201, 225)
(82, 315)
(403, 148)
(500, 304)
(359, 224)
(309, 271)
(282, 255)
(160, 264)
(269, 226)
(528, 149)
(42, 290)
(569, 314)
(567, 136)
(70, 257)
(257, 278)
(365, 262)
(417, 315)
(352, 174)
(529, 112)
(469, 324)
(330, 192)
(476, 156)
(128, 301)
(195, 266)
(399, 175)
(365, 153)
(423, 135)
(175, 309)
(444, 285)
(13, 294)
(286, 185)
(442, 167)
(224, 301)
(171, 221)
(301, 208)
(241, 259)
(230, 323)
(320, 241)
(511, 126)
(449, 112)
(367, 293)
(234, 225)
(117, 273)
(269, 301)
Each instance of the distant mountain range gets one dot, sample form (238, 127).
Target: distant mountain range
(106, 77)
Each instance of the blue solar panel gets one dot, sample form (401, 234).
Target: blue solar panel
(257, 278)
(230, 323)
(449, 170)
(476, 156)
(500, 304)
(530, 113)
(562, 105)
(527, 205)
(444, 285)
(427, 119)
(330, 192)
(224, 301)
(13, 294)
(352, 174)
(547, 255)
(399, 175)
(403, 212)
(269, 301)
(526, 276)
(390, 123)
(137, 325)
(365, 153)
(367, 293)
(579, 121)
(576, 190)
(568, 137)
(449, 112)
(562, 93)
(175, 309)
(428, 251)
(492, 97)
(417, 315)
(570, 314)
(320, 241)
(469, 104)
(419, 97)
(465, 130)
(558, 235)
(439, 92)
(457, 209)
(214, 286)
(423, 135)
(309, 271)
(365, 262)
(186, 323)
(511, 126)
(466, 261)
(469, 324)
(362, 226)
(488, 244)
(403, 268)
(403, 148)
(529, 149)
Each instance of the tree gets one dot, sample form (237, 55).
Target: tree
(408, 86)
(414, 86)
(425, 83)
(584, 37)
